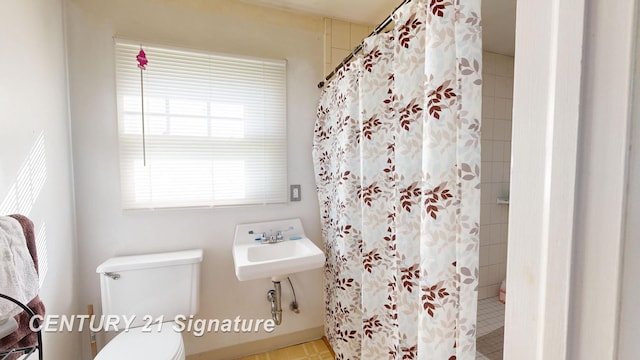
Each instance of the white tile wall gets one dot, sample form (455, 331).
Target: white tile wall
(497, 104)
(340, 38)
(340, 34)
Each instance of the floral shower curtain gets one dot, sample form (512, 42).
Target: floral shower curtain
(397, 160)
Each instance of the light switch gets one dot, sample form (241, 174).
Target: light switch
(295, 193)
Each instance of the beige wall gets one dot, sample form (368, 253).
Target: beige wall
(35, 155)
(497, 104)
(104, 230)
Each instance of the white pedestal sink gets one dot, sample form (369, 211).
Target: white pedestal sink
(255, 258)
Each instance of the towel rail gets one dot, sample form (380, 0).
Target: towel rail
(28, 350)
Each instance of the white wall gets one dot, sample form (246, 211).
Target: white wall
(104, 230)
(33, 127)
(601, 191)
(546, 114)
(629, 347)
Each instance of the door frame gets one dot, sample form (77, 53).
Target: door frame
(572, 98)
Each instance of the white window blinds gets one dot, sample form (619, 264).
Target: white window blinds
(215, 128)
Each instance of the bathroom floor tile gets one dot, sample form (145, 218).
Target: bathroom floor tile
(256, 357)
(313, 350)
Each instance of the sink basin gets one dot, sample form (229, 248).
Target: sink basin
(282, 250)
(254, 259)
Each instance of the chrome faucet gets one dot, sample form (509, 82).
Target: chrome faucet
(272, 239)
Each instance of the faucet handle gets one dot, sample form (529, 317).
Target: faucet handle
(279, 235)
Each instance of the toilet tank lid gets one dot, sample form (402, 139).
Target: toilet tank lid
(133, 262)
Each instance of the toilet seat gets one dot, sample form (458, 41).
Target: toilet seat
(135, 344)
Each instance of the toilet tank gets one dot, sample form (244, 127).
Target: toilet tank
(159, 285)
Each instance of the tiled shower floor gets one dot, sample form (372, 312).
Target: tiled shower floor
(490, 318)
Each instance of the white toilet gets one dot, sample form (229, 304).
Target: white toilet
(156, 285)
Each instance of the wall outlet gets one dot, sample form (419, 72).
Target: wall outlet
(294, 193)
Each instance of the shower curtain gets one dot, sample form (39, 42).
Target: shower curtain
(397, 161)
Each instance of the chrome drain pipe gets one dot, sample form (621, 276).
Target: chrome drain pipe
(275, 297)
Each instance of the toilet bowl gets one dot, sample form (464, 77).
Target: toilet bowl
(155, 286)
(136, 344)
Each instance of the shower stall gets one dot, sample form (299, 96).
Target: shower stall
(397, 160)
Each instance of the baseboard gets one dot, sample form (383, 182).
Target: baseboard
(260, 346)
(326, 342)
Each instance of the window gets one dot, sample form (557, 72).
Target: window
(215, 128)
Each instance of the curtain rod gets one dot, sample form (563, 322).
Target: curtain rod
(375, 31)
